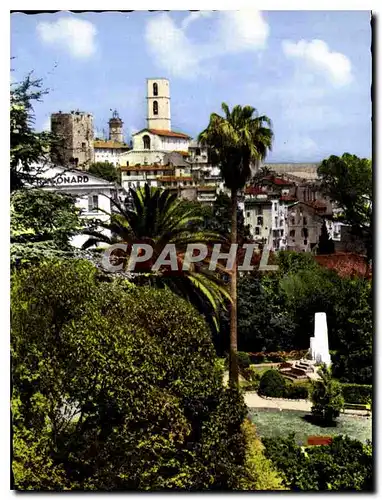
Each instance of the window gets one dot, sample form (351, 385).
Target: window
(257, 231)
(293, 222)
(127, 164)
(281, 222)
(248, 214)
(155, 107)
(260, 210)
(93, 203)
(128, 173)
(304, 232)
(292, 233)
(146, 142)
(305, 242)
(197, 151)
(83, 146)
(155, 89)
(304, 221)
(260, 220)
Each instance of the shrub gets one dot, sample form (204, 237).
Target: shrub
(111, 391)
(356, 393)
(326, 397)
(243, 361)
(343, 465)
(272, 384)
(297, 391)
(261, 475)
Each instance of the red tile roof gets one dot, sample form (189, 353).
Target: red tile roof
(165, 133)
(288, 198)
(345, 264)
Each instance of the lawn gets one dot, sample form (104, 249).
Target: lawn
(281, 423)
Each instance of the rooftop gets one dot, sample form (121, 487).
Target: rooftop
(110, 145)
(147, 168)
(164, 133)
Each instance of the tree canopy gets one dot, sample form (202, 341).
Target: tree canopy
(348, 181)
(109, 397)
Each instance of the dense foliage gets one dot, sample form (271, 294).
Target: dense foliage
(343, 465)
(106, 171)
(272, 384)
(356, 393)
(348, 180)
(28, 147)
(327, 399)
(108, 397)
(42, 224)
(261, 475)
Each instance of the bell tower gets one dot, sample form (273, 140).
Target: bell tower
(158, 104)
(115, 128)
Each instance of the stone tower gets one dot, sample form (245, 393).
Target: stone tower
(75, 139)
(158, 104)
(116, 128)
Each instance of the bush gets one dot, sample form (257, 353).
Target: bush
(111, 391)
(297, 391)
(243, 361)
(343, 465)
(261, 475)
(326, 397)
(272, 384)
(356, 393)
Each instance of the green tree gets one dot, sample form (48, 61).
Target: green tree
(158, 218)
(42, 225)
(28, 147)
(106, 171)
(325, 243)
(348, 181)
(237, 139)
(327, 399)
(115, 387)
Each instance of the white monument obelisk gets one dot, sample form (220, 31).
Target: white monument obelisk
(319, 344)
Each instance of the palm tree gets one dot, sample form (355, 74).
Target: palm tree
(159, 218)
(236, 140)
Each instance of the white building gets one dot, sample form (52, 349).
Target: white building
(92, 193)
(109, 151)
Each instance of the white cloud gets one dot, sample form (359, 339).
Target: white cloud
(317, 54)
(194, 16)
(75, 35)
(174, 50)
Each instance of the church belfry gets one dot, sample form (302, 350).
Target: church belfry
(115, 128)
(158, 104)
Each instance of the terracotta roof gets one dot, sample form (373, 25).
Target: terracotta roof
(345, 264)
(164, 133)
(110, 145)
(146, 168)
(206, 188)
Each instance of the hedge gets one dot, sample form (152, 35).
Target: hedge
(357, 393)
(275, 357)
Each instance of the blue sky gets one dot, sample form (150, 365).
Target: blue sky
(309, 71)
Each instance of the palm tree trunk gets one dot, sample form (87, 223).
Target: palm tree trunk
(233, 365)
